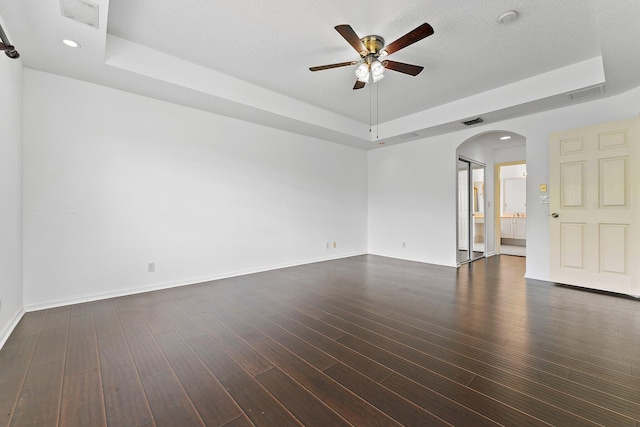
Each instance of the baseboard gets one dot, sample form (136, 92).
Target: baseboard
(5, 333)
(597, 291)
(414, 259)
(176, 284)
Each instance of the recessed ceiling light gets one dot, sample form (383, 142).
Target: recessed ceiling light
(508, 17)
(504, 138)
(71, 43)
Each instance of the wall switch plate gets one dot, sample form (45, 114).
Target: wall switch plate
(334, 245)
(151, 267)
(326, 245)
(404, 244)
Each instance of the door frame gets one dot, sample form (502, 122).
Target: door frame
(497, 202)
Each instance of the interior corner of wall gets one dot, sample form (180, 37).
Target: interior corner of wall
(6, 331)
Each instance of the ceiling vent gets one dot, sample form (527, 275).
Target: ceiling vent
(82, 11)
(587, 93)
(472, 122)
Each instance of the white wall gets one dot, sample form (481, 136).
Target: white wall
(114, 181)
(511, 154)
(513, 171)
(412, 199)
(11, 306)
(412, 187)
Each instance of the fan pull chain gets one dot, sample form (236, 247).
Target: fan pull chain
(377, 112)
(370, 107)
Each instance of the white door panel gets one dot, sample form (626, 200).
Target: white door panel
(594, 205)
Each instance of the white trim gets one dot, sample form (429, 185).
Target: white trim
(175, 284)
(5, 333)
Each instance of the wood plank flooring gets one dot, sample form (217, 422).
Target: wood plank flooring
(364, 341)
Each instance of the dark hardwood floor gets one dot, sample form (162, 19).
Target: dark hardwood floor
(360, 341)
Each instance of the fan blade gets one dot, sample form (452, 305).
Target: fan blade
(352, 38)
(424, 30)
(412, 70)
(358, 85)
(327, 67)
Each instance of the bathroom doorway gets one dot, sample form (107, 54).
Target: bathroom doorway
(511, 197)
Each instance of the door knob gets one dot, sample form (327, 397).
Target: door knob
(554, 215)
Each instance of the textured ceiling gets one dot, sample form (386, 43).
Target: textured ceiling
(272, 44)
(249, 59)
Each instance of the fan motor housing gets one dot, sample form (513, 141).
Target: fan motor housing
(373, 43)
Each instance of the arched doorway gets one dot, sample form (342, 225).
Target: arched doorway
(478, 202)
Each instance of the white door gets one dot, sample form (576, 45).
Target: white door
(594, 188)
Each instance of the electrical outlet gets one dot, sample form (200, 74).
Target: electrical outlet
(334, 245)
(151, 267)
(326, 245)
(404, 244)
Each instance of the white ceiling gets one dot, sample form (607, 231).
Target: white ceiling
(249, 59)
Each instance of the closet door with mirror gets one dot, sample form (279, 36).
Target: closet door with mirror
(471, 200)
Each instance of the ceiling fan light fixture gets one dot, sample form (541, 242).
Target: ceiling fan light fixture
(372, 50)
(362, 72)
(364, 79)
(377, 69)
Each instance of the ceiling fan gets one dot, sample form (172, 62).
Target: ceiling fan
(372, 52)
